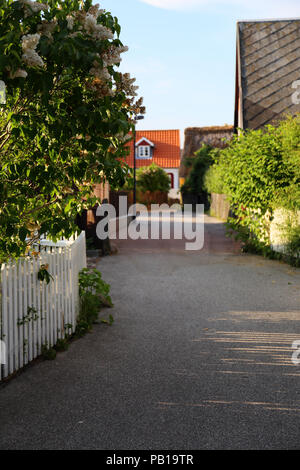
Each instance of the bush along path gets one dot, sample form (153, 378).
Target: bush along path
(260, 174)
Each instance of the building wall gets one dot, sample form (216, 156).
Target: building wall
(174, 192)
(278, 237)
(175, 173)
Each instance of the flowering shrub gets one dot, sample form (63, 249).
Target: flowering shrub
(152, 178)
(67, 115)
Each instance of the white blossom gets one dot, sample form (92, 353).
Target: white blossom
(33, 7)
(19, 73)
(90, 23)
(74, 35)
(32, 59)
(30, 41)
(70, 21)
(101, 73)
(94, 10)
(123, 137)
(98, 31)
(127, 84)
(47, 28)
(113, 55)
(30, 56)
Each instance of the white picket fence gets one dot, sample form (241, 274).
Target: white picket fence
(34, 313)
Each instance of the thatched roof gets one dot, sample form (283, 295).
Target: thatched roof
(195, 137)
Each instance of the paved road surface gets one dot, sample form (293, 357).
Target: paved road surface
(199, 357)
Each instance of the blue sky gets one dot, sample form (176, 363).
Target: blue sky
(182, 53)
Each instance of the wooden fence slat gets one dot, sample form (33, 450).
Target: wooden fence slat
(55, 311)
(15, 315)
(34, 313)
(64, 292)
(4, 316)
(20, 310)
(70, 320)
(10, 345)
(29, 311)
(34, 305)
(60, 294)
(39, 312)
(47, 306)
(43, 306)
(24, 312)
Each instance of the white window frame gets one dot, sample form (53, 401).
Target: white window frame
(143, 152)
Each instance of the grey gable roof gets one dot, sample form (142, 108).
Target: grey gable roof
(268, 63)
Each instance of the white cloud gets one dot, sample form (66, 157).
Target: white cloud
(270, 8)
(175, 4)
(180, 4)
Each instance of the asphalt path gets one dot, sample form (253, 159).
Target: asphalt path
(199, 357)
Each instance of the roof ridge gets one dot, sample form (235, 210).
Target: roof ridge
(158, 130)
(268, 20)
(211, 128)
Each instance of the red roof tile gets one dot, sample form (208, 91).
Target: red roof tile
(166, 150)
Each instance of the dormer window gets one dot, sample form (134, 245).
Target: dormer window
(144, 149)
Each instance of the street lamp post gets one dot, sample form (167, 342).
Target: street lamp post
(137, 118)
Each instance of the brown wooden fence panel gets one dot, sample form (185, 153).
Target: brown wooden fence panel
(219, 206)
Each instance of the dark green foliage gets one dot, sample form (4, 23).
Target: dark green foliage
(260, 171)
(199, 164)
(213, 180)
(44, 275)
(31, 316)
(291, 232)
(108, 322)
(152, 178)
(62, 345)
(93, 293)
(48, 353)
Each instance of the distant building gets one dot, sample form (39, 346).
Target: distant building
(195, 137)
(267, 72)
(161, 147)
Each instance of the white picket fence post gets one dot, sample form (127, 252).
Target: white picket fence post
(34, 313)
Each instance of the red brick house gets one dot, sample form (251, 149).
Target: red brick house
(161, 147)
